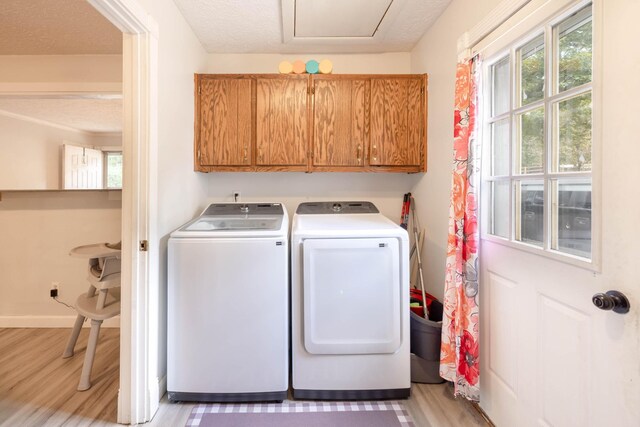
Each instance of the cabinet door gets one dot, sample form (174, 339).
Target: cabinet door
(282, 132)
(398, 122)
(340, 121)
(225, 125)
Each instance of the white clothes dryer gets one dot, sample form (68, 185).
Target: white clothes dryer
(228, 305)
(349, 302)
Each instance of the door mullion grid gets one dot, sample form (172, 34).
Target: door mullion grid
(550, 178)
(514, 87)
(511, 154)
(549, 63)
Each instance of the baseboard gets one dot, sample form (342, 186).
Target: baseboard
(483, 414)
(50, 322)
(162, 387)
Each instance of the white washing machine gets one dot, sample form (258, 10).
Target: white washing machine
(228, 305)
(350, 303)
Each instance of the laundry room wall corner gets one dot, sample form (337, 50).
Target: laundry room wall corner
(179, 192)
(436, 54)
(166, 54)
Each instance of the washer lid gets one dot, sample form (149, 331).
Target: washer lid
(222, 220)
(238, 216)
(323, 208)
(231, 223)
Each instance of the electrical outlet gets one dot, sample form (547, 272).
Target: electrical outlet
(236, 196)
(55, 288)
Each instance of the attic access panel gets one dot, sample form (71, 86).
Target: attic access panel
(339, 18)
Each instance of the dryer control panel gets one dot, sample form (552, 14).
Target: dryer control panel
(324, 208)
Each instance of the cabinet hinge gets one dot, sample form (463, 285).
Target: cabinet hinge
(144, 245)
(199, 90)
(421, 91)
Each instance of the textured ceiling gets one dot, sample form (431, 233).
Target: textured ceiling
(255, 26)
(60, 27)
(90, 115)
(55, 27)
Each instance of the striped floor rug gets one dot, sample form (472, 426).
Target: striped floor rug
(302, 413)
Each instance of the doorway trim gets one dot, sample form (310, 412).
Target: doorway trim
(138, 396)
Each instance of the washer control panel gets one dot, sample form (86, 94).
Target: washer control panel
(230, 209)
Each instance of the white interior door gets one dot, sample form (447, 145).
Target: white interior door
(82, 168)
(549, 357)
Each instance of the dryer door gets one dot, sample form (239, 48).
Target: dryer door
(351, 295)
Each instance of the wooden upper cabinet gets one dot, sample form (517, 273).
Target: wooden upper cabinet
(398, 122)
(282, 121)
(272, 122)
(223, 122)
(340, 122)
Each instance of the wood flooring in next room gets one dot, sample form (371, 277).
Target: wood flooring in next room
(38, 387)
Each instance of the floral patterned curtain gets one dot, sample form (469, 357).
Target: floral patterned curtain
(459, 355)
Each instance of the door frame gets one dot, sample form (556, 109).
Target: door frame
(139, 392)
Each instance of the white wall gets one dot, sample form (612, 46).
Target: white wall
(180, 191)
(61, 72)
(436, 54)
(385, 190)
(31, 152)
(38, 230)
(370, 63)
(620, 152)
(291, 188)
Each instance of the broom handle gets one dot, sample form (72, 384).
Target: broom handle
(412, 203)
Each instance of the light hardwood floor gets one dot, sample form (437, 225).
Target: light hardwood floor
(38, 387)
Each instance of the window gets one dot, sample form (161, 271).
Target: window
(113, 169)
(537, 172)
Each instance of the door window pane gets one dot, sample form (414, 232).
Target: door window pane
(530, 196)
(572, 151)
(571, 217)
(538, 139)
(500, 148)
(500, 209)
(500, 92)
(531, 141)
(575, 50)
(531, 71)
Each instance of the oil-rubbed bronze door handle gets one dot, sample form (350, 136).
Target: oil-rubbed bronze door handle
(611, 300)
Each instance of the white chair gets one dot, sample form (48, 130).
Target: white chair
(101, 302)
